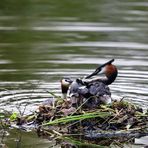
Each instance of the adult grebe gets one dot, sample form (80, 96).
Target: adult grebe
(92, 87)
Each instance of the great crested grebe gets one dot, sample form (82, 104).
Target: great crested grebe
(92, 85)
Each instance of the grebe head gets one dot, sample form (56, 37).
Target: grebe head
(65, 83)
(109, 70)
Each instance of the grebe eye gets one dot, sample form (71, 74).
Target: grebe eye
(67, 80)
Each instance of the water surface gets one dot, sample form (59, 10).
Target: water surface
(43, 41)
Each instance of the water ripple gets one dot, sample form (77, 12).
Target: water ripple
(83, 28)
(129, 45)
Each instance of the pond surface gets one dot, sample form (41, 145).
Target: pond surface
(42, 41)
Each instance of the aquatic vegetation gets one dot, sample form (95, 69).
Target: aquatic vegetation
(102, 125)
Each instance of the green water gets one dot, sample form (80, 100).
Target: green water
(42, 41)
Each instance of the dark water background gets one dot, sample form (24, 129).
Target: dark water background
(42, 41)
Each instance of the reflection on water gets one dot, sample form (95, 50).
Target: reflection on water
(42, 41)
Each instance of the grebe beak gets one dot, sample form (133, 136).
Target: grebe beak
(100, 69)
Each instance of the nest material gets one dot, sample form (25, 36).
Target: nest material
(120, 120)
(104, 125)
(120, 116)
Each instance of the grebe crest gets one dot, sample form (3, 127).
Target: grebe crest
(110, 72)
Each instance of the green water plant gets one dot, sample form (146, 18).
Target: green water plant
(68, 119)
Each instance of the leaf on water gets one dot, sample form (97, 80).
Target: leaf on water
(14, 116)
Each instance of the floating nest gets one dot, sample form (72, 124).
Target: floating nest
(120, 121)
(106, 120)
